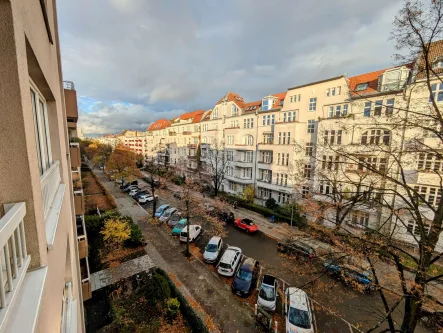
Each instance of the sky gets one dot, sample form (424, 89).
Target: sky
(136, 61)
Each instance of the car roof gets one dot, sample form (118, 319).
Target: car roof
(248, 264)
(186, 227)
(214, 240)
(268, 279)
(164, 206)
(229, 253)
(298, 298)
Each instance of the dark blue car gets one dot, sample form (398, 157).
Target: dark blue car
(350, 274)
(246, 277)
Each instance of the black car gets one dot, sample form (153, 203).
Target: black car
(245, 279)
(295, 247)
(227, 217)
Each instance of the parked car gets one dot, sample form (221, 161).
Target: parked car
(167, 214)
(144, 198)
(174, 219)
(229, 261)
(134, 191)
(178, 227)
(246, 278)
(246, 224)
(295, 247)
(194, 232)
(227, 217)
(298, 311)
(160, 210)
(129, 188)
(350, 274)
(267, 295)
(213, 250)
(139, 194)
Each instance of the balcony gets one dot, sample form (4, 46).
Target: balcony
(71, 102)
(50, 182)
(172, 133)
(12, 277)
(187, 132)
(81, 237)
(74, 151)
(86, 279)
(79, 203)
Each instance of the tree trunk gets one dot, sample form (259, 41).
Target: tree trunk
(188, 254)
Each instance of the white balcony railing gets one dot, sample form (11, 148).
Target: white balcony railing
(14, 258)
(49, 182)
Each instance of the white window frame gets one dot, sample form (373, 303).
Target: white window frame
(313, 104)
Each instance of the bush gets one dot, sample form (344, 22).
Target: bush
(179, 180)
(94, 223)
(157, 289)
(136, 237)
(172, 307)
(271, 203)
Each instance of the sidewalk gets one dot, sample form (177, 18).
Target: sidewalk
(387, 274)
(203, 289)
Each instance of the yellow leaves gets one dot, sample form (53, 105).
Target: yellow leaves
(116, 231)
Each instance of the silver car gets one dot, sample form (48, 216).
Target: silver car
(267, 295)
(167, 214)
(213, 250)
(177, 216)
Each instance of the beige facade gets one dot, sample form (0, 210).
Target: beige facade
(40, 258)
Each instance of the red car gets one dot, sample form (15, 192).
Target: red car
(246, 224)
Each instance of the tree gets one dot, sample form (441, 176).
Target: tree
(91, 150)
(116, 231)
(217, 162)
(122, 164)
(249, 193)
(152, 169)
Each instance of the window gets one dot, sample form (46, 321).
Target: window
(266, 104)
(376, 137)
(289, 116)
(264, 193)
(332, 91)
(305, 192)
(437, 92)
(325, 187)
(282, 198)
(372, 164)
(287, 159)
(230, 140)
(234, 110)
(332, 137)
(268, 120)
(265, 175)
(234, 123)
(299, 97)
(282, 179)
(313, 104)
(330, 162)
(362, 86)
(345, 109)
(311, 126)
(328, 92)
(232, 186)
(247, 156)
(438, 64)
(248, 140)
(331, 112)
(290, 99)
(359, 218)
(378, 107)
(247, 173)
(41, 127)
(230, 171)
(390, 106)
(431, 195)
(229, 155)
(367, 109)
(215, 113)
(309, 149)
(414, 228)
(268, 138)
(266, 156)
(430, 161)
(307, 171)
(248, 123)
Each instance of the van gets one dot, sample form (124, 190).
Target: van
(229, 262)
(194, 232)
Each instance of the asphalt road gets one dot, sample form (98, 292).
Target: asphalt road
(338, 308)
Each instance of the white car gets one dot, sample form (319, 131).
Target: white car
(167, 215)
(146, 198)
(229, 262)
(195, 231)
(298, 311)
(213, 250)
(134, 191)
(267, 295)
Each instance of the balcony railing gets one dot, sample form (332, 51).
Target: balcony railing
(49, 182)
(68, 85)
(14, 258)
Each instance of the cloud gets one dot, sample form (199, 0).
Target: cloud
(164, 55)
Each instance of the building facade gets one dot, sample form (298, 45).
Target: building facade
(41, 279)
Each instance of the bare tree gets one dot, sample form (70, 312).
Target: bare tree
(217, 163)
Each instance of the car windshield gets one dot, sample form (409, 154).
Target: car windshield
(211, 248)
(184, 234)
(244, 275)
(225, 265)
(175, 217)
(267, 292)
(167, 213)
(249, 222)
(160, 209)
(299, 318)
(180, 225)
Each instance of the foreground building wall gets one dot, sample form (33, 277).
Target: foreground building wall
(43, 287)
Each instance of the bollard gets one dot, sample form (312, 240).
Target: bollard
(276, 326)
(255, 311)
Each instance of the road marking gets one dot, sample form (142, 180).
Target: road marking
(350, 328)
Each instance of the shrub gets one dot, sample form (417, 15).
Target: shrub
(271, 203)
(136, 237)
(172, 307)
(157, 289)
(116, 231)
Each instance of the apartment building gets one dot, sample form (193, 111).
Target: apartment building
(156, 136)
(110, 139)
(41, 288)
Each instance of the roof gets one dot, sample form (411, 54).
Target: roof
(159, 124)
(252, 107)
(207, 115)
(280, 98)
(370, 78)
(317, 82)
(298, 298)
(233, 97)
(435, 51)
(214, 240)
(197, 118)
(190, 115)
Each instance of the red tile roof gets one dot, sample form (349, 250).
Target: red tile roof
(435, 52)
(198, 117)
(280, 97)
(370, 78)
(191, 114)
(159, 124)
(233, 97)
(253, 105)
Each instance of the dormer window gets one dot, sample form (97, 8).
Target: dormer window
(266, 104)
(362, 86)
(234, 110)
(438, 63)
(215, 114)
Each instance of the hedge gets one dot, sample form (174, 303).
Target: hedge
(297, 220)
(187, 310)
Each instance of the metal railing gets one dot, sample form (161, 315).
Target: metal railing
(69, 85)
(14, 259)
(49, 182)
